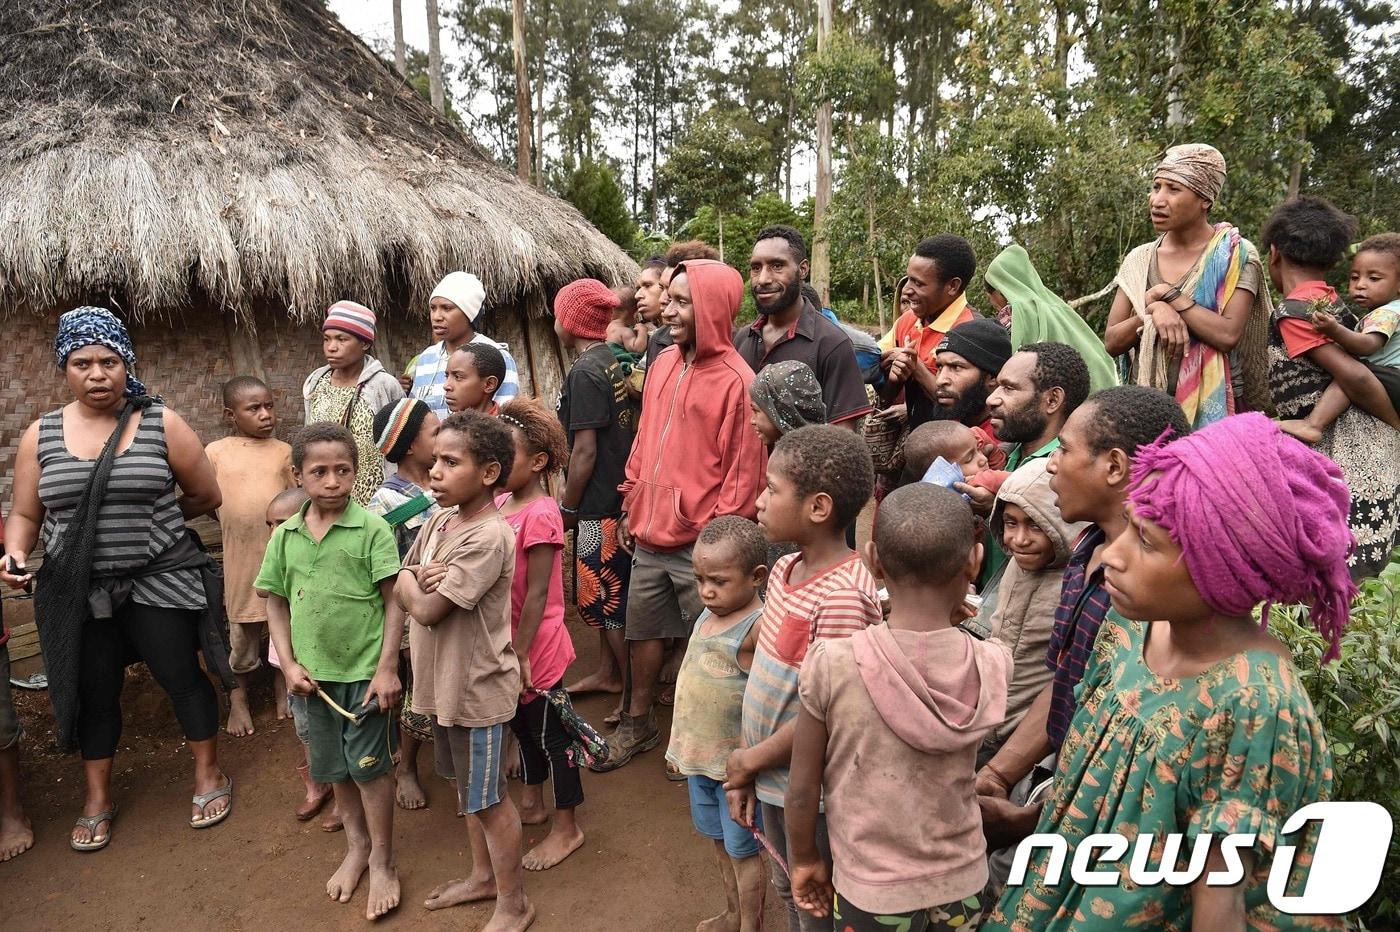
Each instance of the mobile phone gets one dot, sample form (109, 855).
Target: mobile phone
(16, 569)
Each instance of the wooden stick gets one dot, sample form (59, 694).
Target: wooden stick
(336, 706)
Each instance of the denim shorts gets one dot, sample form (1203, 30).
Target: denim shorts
(709, 811)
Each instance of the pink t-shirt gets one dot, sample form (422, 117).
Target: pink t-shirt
(539, 523)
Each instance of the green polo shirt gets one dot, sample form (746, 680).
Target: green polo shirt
(996, 556)
(333, 589)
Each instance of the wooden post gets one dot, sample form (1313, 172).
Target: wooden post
(435, 94)
(821, 249)
(400, 54)
(522, 92)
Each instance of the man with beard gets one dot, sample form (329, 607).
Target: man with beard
(790, 326)
(969, 359)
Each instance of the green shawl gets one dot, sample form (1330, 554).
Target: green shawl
(1039, 315)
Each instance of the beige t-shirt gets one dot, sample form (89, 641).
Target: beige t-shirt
(251, 473)
(465, 671)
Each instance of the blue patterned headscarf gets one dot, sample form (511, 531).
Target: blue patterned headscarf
(97, 326)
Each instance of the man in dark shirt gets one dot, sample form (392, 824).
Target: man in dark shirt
(789, 327)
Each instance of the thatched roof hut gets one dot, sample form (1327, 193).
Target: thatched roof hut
(220, 173)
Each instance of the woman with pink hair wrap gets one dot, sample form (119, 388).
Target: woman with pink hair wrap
(1192, 720)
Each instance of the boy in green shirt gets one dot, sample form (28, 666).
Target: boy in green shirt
(328, 576)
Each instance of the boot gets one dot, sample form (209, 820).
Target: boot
(316, 794)
(752, 881)
(635, 735)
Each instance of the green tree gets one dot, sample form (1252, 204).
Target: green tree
(592, 188)
(714, 165)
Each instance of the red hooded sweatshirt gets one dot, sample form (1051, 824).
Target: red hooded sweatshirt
(695, 456)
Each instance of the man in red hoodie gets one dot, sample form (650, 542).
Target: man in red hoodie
(695, 458)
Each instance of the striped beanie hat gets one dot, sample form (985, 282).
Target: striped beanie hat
(396, 426)
(354, 319)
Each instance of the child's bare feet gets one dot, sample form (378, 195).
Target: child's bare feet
(332, 822)
(1302, 430)
(535, 814)
(341, 886)
(517, 918)
(557, 846)
(457, 892)
(279, 691)
(240, 719)
(596, 683)
(409, 794)
(16, 836)
(724, 922)
(515, 770)
(383, 891)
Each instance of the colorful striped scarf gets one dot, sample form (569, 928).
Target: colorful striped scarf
(1203, 385)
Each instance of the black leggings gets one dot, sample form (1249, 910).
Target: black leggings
(543, 748)
(167, 639)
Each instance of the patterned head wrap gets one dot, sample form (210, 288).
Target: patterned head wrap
(396, 426)
(97, 326)
(788, 392)
(1198, 166)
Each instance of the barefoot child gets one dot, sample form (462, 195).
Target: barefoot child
(1192, 718)
(783, 397)
(328, 577)
(730, 566)
(474, 375)
(16, 832)
(819, 478)
(917, 694)
(537, 629)
(1375, 286)
(624, 330)
(252, 467)
(456, 589)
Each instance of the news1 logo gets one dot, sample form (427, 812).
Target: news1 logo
(1352, 843)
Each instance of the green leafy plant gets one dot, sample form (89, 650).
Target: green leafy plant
(1357, 698)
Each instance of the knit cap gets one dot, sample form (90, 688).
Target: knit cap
(981, 341)
(585, 307)
(464, 290)
(396, 426)
(354, 319)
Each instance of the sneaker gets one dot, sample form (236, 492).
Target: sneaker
(636, 734)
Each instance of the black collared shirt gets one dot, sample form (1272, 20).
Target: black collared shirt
(820, 344)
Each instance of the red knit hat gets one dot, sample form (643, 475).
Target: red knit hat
(585, 307)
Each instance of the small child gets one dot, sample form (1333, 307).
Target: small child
(537, 629)
(818, 480)
(252, 467)
(328, 576)
(625, 331)
(16, 831)
(474, 373)
(1375, 286)
(1027, 521)
(1191, 717)
(456, 588)
(730, 566)
(917, 694)
(405, 432)
(279, 511)
(783, 397)
(956, 443)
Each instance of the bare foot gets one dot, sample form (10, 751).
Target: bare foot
(343, 882)
(514, 920)
(533, 815)
(457, 892)
(1302, 430)
(332, 822)
(283, 713)
(279, 692)
(556, 847)
(724, 922)
(383, 892)
(240, 720)
(410, 793)
(596, 684)
(16, 837)
(515, 770)
(614, 717)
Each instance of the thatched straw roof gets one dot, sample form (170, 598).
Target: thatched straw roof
(252, 150)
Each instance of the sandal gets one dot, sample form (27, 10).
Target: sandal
(674, 775)
(204, 799)
(90, 823)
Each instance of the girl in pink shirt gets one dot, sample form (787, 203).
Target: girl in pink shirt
(537, 629)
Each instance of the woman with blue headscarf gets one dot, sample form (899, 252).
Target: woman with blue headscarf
(122, 580)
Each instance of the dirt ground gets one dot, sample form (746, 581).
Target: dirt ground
(643, 867)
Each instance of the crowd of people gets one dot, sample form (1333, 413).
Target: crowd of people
(1051, 627)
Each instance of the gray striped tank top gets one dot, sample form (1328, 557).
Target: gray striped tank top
(139, 518)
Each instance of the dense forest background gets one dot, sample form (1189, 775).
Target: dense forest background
(1032, 120)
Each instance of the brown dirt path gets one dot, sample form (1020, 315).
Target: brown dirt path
(643, 867)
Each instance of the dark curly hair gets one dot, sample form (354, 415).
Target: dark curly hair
(1058, 365)
(542, 430)
(486, 359)
(1126, 417)
(788, 234)
(236, 386)
(1308, 231)
(689, 249)
(746, 538)
(824, 458)
(952, 254)
(1387, 243)
(323, 432)
(488, 440)
(924, 531)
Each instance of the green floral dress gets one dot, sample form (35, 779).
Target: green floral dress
(1236, 749)
(329, 402)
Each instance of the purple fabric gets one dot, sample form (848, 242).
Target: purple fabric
(1259, 518)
